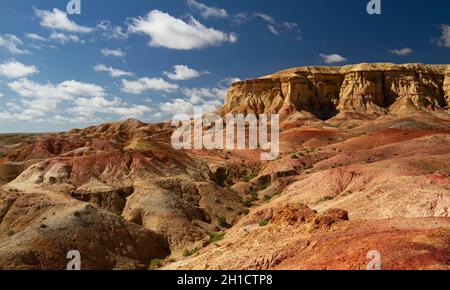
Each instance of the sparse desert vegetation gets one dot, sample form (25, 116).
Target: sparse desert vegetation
(351, 176)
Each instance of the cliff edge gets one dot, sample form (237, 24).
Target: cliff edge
(324, 92)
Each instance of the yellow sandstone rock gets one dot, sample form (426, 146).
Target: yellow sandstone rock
(374, 89)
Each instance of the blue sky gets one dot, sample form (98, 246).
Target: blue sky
(151, 59)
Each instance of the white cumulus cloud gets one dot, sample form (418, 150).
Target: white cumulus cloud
(66, 90)
(41, 100)
(115, 73)
(146, 84)
(167, 31)
(13, 69)
(67, 102)
(209, 99)
(90, 107)
(182, 72)
(58, 20)
(332, 58)
(181, 106)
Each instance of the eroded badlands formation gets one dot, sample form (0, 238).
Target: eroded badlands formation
(372, 89)
(364, 165)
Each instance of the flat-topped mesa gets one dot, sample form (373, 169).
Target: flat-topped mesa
(374, 89)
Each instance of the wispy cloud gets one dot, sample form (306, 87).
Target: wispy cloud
(64, 37)
(277, 28)
(113, 52)
(273, 29)
(111, 32)
(12, 43)
(207, 11)
(35, 37)
(267, 18)
(115, 73)
(402, 52)
(444, 39)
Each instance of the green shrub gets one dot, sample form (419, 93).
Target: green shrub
(264, 223)
(215, 237)
(229, 181)
(249, 177)
(155, 264)
(267, 197)
(263, 186)
(43, 226)
(247, 203)
(230, 189)
(254, 191)
(188, 253)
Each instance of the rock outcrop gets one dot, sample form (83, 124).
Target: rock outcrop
(373, 89)
(38, 229)
(301, 238)
(446, 88)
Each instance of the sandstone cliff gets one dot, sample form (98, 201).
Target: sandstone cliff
(373, 89)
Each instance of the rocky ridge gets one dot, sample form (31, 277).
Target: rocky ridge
(324, 92)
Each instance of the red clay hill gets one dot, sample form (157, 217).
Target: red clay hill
(364, 165)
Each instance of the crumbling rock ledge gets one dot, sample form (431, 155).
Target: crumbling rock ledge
(372, 89)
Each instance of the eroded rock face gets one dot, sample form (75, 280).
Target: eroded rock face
(446, 88)
(373, 89)
(38, 229)
(362, 91)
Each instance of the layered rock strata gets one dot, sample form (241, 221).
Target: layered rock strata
(325, 91)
